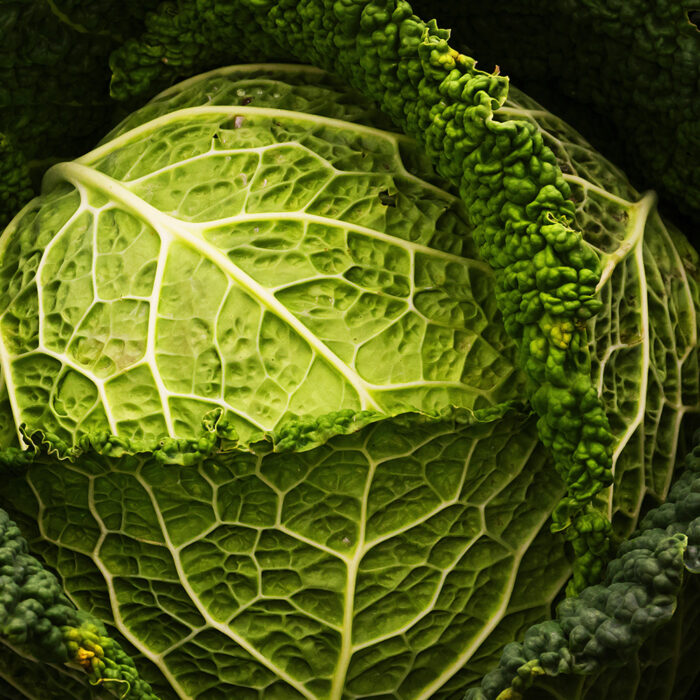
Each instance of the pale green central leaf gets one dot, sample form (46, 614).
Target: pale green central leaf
(269, 264)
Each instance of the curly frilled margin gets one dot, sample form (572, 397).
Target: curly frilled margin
(626, 64)
(36, 618)
(517, 199)
(605, 625)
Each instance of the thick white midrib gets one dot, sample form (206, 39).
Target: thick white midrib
(219, 626)
(352, 568)
(638, 420)
(443, 505)
(448, 570)
(632, 240)
(410, 247)
(234, 110)
(348, 649)
(76, 173)
(644, 333)
(609, 351)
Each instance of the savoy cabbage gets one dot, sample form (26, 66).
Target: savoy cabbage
(298, 406)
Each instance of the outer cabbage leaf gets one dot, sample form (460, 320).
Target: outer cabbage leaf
(377, 562)
(614, 626)
(644, 341)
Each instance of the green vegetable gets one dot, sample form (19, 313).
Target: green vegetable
(277, 434)
(625, 73)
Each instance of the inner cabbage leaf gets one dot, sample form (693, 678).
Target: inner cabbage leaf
(265, 263)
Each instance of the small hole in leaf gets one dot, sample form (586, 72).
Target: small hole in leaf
(694, 18)
(387, 199)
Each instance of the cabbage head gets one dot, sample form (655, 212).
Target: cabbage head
(260, 413)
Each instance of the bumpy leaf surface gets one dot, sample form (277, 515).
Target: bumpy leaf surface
(378, 562)
(615, 624)
(643, 342)
(517, 200)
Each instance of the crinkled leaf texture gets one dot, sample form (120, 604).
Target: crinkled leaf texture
(644, 341)
(278, 430)
(631, 636)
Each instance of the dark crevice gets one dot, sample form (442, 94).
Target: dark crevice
(388, 199)
(694, 18)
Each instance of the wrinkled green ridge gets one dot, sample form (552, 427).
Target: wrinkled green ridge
(662, 669)
(36, 616)
(611, 68)
(516, 198)
(606, 624)
(661, 245)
